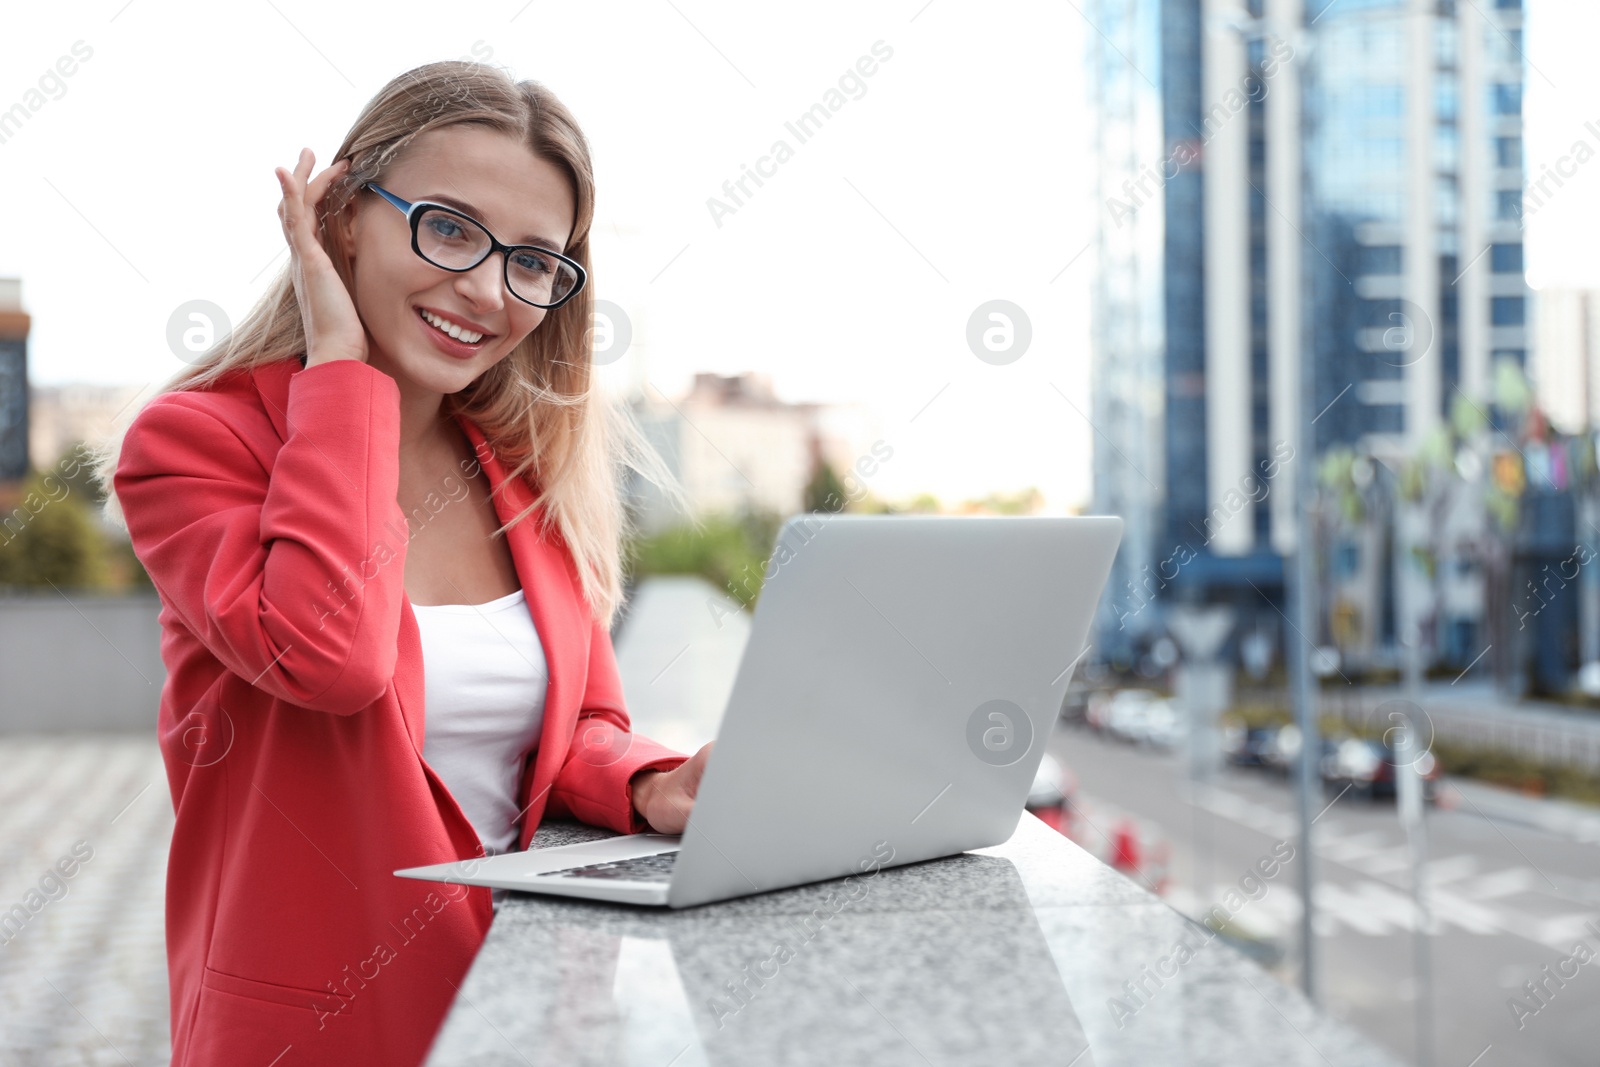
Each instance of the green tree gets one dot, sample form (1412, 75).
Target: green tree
(1023, 502)
(49, 538)
(923, 504)
(825, 492)
(730, 551)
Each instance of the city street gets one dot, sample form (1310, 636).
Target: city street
(1506, 900)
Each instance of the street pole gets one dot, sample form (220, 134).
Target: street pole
(1204, 691)
(1411, 805)
(1297, 652)
(1285, 19)
(1291, 328)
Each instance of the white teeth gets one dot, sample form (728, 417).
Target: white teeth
(460, 333)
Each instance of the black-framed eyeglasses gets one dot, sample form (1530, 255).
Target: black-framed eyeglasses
(455, 241)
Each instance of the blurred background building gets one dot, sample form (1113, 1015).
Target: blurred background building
(736, 447)
(1129, 293)
(1346, 181)
(64, 415)
(13, 382)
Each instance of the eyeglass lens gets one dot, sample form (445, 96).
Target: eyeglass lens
(457, 243)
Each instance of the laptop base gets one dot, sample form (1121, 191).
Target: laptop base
(531, 871)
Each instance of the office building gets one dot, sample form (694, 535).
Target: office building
(13, 382)
(1285, 185)
(734, 446)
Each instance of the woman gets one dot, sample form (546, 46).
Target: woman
(319, 502)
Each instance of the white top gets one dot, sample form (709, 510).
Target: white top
(485, 677)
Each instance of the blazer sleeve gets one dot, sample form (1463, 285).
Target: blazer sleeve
(280, 574)
(592, 785)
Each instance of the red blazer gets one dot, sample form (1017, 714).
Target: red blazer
(291, 720)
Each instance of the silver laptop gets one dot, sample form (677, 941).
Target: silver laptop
(901, 680)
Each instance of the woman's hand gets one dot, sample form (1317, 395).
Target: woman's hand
(333, 328)
(664, 798)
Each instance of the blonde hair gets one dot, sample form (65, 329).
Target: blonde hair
(536, 407)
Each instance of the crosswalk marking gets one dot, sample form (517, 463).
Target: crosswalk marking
(1368, 908)
(1388, 861)
(1450, 908)
(1353, 848)
(1453, 869)
(1461, 896)
(1501, 884)
(1564, 931)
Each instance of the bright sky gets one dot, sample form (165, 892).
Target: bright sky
(958, 177)
(1563, 96)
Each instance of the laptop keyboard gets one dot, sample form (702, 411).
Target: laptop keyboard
(653, 868)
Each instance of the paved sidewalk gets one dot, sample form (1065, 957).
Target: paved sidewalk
(83, 976)
(1563, 818)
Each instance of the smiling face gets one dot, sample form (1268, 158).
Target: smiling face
(498, 181)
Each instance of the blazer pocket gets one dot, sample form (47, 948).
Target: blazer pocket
(314, 1001)
(242, 1020)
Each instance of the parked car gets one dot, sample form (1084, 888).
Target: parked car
(1230, 736)
(1368, 766)
(1283, 749)
(1139, 716)
(1166, 725)
(1127, 714)
(1250, 746)
(1097, 708)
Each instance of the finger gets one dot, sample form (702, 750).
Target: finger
(333, 170)
(294, 192)
(691, 779)
(289, 181)
(323, 180)
(303, 208)
(289, 207)
(286, 212)
(285, 181)
(680, 803)
(302, 167)
(320, 185)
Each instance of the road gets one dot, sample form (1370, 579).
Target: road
(1506, 900)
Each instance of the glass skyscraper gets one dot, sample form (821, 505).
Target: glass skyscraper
(1278, 180)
